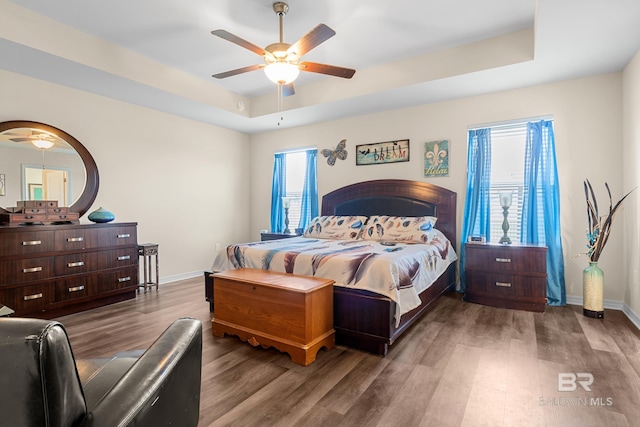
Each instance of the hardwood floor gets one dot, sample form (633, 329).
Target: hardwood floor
(462, 364)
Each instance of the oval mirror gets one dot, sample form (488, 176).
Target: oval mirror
(42, 162)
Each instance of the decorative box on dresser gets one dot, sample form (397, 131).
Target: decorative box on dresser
(508, 276)
(52, 270)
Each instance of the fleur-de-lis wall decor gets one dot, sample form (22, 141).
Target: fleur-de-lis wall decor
(436, 158)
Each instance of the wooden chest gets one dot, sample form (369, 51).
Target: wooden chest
(291, 313)
(508, 276)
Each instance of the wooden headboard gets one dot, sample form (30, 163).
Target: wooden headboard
(395, 197)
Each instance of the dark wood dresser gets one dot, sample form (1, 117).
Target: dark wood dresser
(507, 276)
(51, 270)
(276, 236)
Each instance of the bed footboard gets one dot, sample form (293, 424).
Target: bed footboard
(365, 320)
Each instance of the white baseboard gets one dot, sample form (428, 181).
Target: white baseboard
(183, 276)
(611, 305)
(572, 300)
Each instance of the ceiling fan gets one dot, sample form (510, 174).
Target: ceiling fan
(282, 60)
(39, 139)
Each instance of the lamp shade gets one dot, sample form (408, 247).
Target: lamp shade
(505, 198)
(281, 72)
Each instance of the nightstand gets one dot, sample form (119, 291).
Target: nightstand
(276, 236)
(507, 276)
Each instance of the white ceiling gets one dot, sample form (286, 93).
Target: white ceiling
(160, 53)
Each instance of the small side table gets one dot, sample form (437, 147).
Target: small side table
(147, 251)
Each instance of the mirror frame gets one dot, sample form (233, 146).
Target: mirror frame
(90, 191)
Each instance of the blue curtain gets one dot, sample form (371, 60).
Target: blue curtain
(541, 205)
(476, 207)
(278, 190)
(309, 205)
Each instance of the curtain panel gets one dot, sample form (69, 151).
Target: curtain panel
(278, 191)
(476, 218)
(540, 222)
(309, 205)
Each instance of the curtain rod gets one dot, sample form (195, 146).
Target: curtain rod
(295, 150)
(510, 122)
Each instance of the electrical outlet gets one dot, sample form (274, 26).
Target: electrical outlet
(217, 247)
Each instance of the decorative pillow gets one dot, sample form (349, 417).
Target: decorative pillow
(416, 229)
(336, 227)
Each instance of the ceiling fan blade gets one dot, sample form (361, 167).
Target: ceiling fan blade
(313, 38)
(238, 71)
(239, 41)
(331, 70)
(288, 89)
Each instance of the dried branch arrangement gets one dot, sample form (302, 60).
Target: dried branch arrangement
(599, 226)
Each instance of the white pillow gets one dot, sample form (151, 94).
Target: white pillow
(337, 227)
(383, 228)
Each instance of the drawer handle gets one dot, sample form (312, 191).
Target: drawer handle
(32, 243)
(124, 257)
(62, 216)
(77, 288)
(30, 297)
(57, 210)
(31, 270)
(75, 264)
(124, 236)
(75, 239)
(124, 279)
(503, 259)
(28, 217)
(503, 284)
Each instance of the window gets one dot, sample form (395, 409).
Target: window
(507, 174)
(294, 178)
(519, 158)
(295, 167)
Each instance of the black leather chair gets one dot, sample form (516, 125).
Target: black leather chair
(41, 384)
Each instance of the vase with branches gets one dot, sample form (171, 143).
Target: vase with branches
(599, 226)
(598, 232)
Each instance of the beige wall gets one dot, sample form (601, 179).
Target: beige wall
(630, 221)
(190, 185)
(588, 124)
(181, 180)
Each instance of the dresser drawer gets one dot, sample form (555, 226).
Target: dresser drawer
(28, 298)
(77, 263)
(506, 285)
(500, 258)
(63, 217)
(116, 280)
(76, 287)
(76, 239)
(119, 257)
(25, 270)
(26, 243)
(121, 236)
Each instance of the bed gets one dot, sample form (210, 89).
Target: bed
(366, 315)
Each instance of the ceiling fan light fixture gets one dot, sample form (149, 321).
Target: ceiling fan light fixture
(281, 72)
(42, 143)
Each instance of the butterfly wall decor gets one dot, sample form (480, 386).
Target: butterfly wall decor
(339, 153)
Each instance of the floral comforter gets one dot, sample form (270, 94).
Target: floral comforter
(399, 272)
